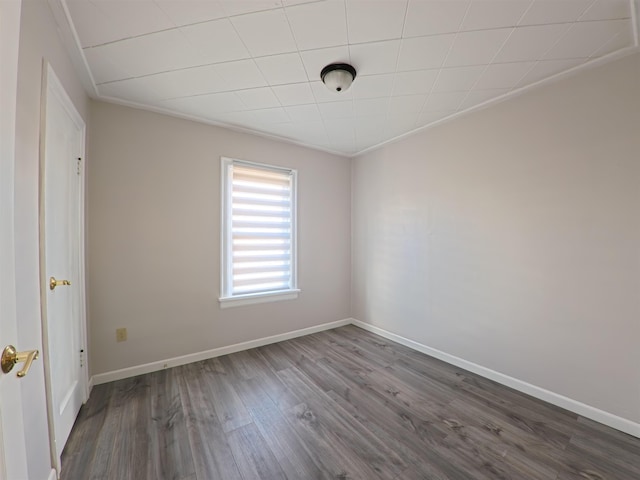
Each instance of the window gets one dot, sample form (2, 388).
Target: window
(258, 233)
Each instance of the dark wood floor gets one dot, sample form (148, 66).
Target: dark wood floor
(342, 404)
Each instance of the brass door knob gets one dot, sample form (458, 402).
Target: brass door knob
(10, 357)
(53, 283)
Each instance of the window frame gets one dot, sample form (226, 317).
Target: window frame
(226, 299)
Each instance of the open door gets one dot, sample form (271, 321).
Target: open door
(13, 457)
(61, 265)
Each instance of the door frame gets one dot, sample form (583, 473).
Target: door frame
(51, 85)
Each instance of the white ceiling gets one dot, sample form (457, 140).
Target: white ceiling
(255, 64)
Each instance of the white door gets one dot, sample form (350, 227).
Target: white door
(13, 458)
(63, 315)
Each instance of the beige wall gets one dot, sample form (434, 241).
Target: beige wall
(511, 238)
(38, 39)
(154, 238)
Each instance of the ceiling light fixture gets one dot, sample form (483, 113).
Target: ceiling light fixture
(338, 76)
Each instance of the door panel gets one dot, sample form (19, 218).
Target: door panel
(13, 456)
(64, 333)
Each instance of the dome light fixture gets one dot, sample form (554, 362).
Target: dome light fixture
(338, 76)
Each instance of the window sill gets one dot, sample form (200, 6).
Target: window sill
(239, 300)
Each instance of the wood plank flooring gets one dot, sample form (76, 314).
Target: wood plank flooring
(341, 404)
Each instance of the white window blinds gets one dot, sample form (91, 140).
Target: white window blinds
(259, 229)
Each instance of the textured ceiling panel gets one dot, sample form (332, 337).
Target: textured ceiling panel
(255, 64)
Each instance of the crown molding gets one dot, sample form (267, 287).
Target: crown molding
(71, 42)
(597, 62)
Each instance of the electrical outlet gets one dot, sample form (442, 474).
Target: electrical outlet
(121, 334)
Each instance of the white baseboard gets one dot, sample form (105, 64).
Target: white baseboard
(601, 416)
(606, 418)
(52, 475)
(216, 352)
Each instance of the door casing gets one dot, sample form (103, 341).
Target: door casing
(51, 85)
